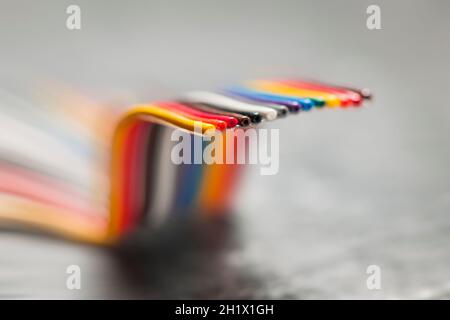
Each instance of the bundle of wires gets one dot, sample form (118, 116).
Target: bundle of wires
(142, 185)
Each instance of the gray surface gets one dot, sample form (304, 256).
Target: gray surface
(355, 187)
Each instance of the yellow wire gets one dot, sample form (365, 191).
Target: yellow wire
(149, 113)
(331, 100)
(17, 210)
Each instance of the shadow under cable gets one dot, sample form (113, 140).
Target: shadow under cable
(187, 258)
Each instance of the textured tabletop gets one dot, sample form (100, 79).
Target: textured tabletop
(355, 187)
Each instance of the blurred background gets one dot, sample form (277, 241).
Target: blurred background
(355, 187)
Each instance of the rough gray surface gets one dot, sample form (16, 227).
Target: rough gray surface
(355, 188)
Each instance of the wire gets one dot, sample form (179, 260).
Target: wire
(280, 88)
(342, 96)
(229, 104)
(140, 168)
(243, 120)
(22, 211)
(197, 115)
(281, 110)
(294, 104)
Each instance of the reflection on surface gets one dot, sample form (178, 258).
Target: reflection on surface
(356, 188)
(184, 259)
(187, 259)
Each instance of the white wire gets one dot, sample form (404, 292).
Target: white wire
(229, 104)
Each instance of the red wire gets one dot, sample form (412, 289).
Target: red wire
(346, 96)
(221, 122)
(131, 172)
(39, 188)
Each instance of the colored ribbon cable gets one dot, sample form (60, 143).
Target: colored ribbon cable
(64, 190)
(294, 104)
(343, 97)
(229, 104)
(164, 179)
(281, 110)
(280, 88)
(221, 123)
(346, 96)
(243, 121)
(306, 103)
